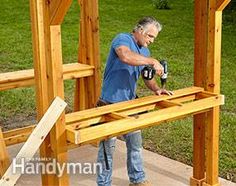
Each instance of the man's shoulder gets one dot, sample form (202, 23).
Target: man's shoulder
(123, 36)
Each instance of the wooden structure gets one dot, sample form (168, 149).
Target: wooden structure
(100, 123)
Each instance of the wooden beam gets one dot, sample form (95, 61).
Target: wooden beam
(56, 88)
(80, 99)
(4, 156)
(184, 99)
(221, 4)
(25, 78)
(58, 10)
(200, 59)
(19, 135)
(114, 116)
(212, 147)
(139, 109)
(16, 136)
(99, 132)
(39, 26)
(167, 103)
(35, 140)
(212, 79)
(76, 116)
(39, 55)
(88, 89)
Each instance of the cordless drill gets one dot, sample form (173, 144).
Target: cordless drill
(148, 72)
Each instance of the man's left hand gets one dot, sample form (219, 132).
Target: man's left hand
(163, 91)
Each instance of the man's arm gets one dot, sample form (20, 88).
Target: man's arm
(152, 85)
(131, 58)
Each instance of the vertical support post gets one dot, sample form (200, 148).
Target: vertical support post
(213, 85)
(88, 89)
(38, 27)
(49, 83)
(80, 101)
(200, 61)
(56, 88)
(208, 22)
(4, 157)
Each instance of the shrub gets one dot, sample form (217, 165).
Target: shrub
(161, 4)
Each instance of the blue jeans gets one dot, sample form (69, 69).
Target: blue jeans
(134, 159)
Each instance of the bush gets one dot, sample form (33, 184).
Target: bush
(161, 4)
(229, 14)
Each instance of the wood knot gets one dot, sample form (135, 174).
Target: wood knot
(211, 85)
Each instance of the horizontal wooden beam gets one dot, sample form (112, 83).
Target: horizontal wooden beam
(92, 117)
(94, 112)
(25, 78)
(103, 131)
(113, 112)
(167, 103)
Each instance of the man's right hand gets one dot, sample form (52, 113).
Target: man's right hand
(158, 67)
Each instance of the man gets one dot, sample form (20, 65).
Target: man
(127, 57)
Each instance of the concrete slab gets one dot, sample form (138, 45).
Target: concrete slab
(161, 171)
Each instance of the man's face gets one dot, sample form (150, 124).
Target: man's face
(147, 35)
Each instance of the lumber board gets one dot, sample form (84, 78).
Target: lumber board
(25, 78)
(87, 89)
(96, 48)
(20, 135)
(58, 149)
(13, 132)
(40, 41)
(184, 99)
(167, 103)
(212, 146)
(213, 48)
(35, 140)
(4, 156)
(16, 136)
(39, 56)
(80, 98)
(200, 62)
(113, 116)
(122, 126)
(76, 116)
(213, 70)
(70, 134)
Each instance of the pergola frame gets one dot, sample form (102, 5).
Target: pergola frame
(79, 127)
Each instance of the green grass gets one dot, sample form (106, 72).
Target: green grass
(175, 44)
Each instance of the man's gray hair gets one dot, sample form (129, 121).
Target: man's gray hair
(142, 23)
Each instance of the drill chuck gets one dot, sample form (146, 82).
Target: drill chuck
(165, 74)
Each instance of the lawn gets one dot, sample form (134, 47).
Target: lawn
(175, 44)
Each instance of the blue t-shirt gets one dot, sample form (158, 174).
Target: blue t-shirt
(120, 79)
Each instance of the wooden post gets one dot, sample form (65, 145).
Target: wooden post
(80, 102)
(4, 157)
(56, 88)
(88, 89)
(200, 58)
(37, 10)
(213, 68)
(49, 77)
(208, 21)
